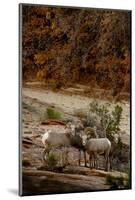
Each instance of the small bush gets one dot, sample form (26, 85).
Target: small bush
(52, 161)
(92, 120)
(53, 114)
(128, 181)
(109, 120)
(116, 182)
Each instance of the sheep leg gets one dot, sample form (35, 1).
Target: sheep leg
(79, 157)
(107, 163)
(95, 161)
(44, 154)
(90, 161)
(43, 158)
(84, 152)
(110, 163)
(65, 161)
(97, 164)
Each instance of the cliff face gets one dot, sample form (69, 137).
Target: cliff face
(63, 46)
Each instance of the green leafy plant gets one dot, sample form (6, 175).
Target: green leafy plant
(52, 161)
(53, 114)
(128, 181)
(109, 120)
(115, 182)
(118, 182)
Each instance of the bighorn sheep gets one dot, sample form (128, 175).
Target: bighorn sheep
(68, 138)
(95, 147)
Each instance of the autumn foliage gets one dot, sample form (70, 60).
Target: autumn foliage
(68, 45)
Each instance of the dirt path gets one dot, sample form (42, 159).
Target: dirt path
(70, 103)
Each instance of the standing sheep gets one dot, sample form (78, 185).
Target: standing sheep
(56, 139)
(98, 146)
(53, 139)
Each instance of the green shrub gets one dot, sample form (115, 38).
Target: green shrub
(128, 181)
(115, 182)
(109, 120)
(52, 161)
(118, 182)
(53, 114)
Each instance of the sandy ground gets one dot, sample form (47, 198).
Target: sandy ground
(69, 103)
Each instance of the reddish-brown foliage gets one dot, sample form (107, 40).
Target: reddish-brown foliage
(66, 45)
